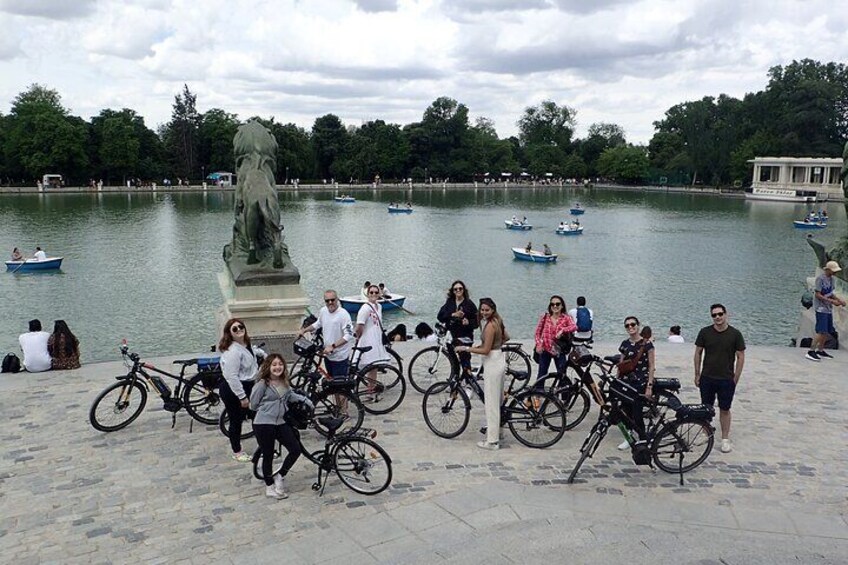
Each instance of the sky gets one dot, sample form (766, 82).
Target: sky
(618, 61)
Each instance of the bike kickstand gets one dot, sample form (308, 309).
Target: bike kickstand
(173, 420)
(191, 426)
(680, 467)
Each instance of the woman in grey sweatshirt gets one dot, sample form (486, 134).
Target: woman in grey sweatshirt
(269, 399)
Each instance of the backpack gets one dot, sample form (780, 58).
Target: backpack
(584, 319)
(11, 364)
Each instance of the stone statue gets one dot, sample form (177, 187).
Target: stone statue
(257, 253)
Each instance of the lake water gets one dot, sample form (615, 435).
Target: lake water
(144, 266)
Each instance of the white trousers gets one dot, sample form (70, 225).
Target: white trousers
(494, 369)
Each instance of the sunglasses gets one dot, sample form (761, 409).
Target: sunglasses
(555, 304)
(236, 328)
(329, 300)
(458, 289)
(630, 325)
(717, 314)
(373, 292)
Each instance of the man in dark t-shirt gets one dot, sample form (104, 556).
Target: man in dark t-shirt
(723, 349)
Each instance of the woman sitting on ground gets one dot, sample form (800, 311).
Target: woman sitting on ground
(424, 332)
(398, 333)
(63, 347)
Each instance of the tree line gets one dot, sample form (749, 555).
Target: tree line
(803, 111)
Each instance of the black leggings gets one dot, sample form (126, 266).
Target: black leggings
(267, 435)
(236, 413)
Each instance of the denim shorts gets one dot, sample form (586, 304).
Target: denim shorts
(337, 369)
(824, 323)
(722, 388)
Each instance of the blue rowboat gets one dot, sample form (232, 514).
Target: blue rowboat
(534, 256)
(570, 231)
(353, 303)
(344, 199)
(805, 225)
(30, 265)
(516, 225)
(399, 210)
(577, 211)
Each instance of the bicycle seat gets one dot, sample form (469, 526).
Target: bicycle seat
(332, 424)
(613, 358)
(518, 375)
(185, 361)
(363, 349)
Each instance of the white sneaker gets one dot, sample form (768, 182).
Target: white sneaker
(725, 446)
(623, 446)
(489, 446)
(280, 486)
(271, 492)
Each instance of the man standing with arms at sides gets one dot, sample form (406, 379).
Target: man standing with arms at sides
(723, 350)
(824, 302)
(337, 329)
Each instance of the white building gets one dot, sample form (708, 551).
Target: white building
(804, 179)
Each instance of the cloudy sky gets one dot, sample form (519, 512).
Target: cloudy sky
(621, 61)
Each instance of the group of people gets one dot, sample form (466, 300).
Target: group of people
(44, 351)
(545, 249)
(39, 255)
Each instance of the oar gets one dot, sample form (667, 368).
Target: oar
(19, 266)
(399, 306)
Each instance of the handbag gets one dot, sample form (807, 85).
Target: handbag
(629, 365)
(386, 340)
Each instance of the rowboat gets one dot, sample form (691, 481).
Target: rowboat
(30, 265)
(577, 211)
(805, 225)
(353, 303)
(344, 199)
(399, 210)
(534, 256)
(568, 230)
(517, 225)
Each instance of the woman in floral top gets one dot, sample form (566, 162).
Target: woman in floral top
(552, 325)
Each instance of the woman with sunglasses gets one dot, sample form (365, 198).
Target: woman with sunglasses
(459, 314)
(553, 325)
(239, 366)
(494, 369)
(369, 332)
(640, 347)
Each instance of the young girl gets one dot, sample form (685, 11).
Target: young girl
(269, 398)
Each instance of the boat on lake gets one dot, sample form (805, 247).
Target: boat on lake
(570, 230)
(353, 303)
(345, 199)
(517, 225)
(577, 210)
(400, 210)
(810, 225)
(534, 256)
(31, 265)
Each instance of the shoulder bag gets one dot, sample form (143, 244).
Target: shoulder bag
(627, 366)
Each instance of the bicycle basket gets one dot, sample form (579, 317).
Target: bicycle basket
(304, 348)
(692, 412)
(298, 414)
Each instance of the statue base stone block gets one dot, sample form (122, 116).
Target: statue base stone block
(273, 313)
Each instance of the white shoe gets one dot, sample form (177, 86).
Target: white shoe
(280, 486)
(271, 492)
(624, 446)
(725, 446)
(489, 446)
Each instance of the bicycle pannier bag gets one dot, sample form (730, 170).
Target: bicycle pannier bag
(11, 364)
(298, 414)
(641, 453)
(695, 412)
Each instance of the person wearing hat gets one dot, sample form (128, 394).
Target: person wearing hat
(823, 303)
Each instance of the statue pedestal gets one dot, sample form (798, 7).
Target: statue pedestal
(273, 313)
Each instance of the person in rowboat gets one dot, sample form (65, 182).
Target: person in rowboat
(17, 255)
(548, 250)
(529, 247)
(39, 255)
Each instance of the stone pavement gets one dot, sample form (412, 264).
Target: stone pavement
(152, 494)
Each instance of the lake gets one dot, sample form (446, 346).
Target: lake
(143, 266)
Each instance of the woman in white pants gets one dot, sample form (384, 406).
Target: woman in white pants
(494, 368)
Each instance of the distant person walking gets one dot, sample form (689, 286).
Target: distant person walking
(723, 349)
(674, 335)
(823, 302)
(584, 318)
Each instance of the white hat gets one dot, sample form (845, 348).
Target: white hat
(833, 266)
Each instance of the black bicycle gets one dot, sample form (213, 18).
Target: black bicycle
(122, 402)
(359, 462)
(439, 362)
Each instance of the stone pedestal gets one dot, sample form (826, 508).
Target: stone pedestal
(272, 312)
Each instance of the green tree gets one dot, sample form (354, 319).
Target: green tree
(627, 164)
(181, 134)
(215, 140)
(601, 136)
(329, 139)
(547, 124)
(574, 167)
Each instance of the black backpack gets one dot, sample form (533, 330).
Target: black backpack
(11, 364)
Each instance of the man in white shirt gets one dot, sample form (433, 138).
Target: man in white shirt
(39, 256)
(674, 335)
(337, 329)
(584, 318)
(34, 345)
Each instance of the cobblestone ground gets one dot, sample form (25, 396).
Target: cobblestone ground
(151, 493)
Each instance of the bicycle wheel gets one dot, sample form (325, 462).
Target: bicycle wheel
(116, 407)
(362, 465)
(588, 449)
(518, 360)
(574, 399)
(202, 403)
(388, 391)
(430, 365)
(275, 466)
(338, 404)
(224, 425)
(396, 360)
(682, 446)
(446, 408)
(536, 419)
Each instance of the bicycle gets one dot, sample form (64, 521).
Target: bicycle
(427, 365)
(535, 413)
(689, 434)
(318, 339)
(119, 404)
(360, 463)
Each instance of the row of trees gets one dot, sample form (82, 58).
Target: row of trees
(802, 111)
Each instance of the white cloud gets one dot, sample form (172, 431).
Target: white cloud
(50, 9)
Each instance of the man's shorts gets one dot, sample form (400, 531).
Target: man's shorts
(338, 369)
(824, 323)
(723, 388)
